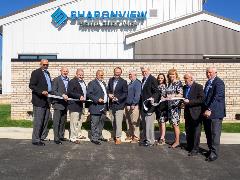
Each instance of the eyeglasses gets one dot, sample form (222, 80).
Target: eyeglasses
(45, 64)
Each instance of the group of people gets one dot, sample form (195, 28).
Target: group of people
(139, 101)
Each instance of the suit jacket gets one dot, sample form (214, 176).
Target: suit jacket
(94, 93)
(215, 99)
(75, 91)
(59, 89)
(38, 84)
(150, 89)
(134, 92)
(120, 92)
(196, 98)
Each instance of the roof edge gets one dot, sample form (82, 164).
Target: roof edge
(33, 10)
(181, 22)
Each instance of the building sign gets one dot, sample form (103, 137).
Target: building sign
(129, 18)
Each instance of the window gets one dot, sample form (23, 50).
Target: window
(37, 57)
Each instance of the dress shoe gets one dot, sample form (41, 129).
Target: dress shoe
(148, 144)
(46, 139)
(63, 139)
(211, 158)
(103, 139)
(75, 141)
(118, 141)
(58, 142)
(38, 143)
(82, 137)
(96, 142)
(193, 153)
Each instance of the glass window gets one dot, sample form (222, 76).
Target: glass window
(37, 57)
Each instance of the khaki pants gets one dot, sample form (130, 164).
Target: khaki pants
(75, 125)
(116, 119)
(133, 121)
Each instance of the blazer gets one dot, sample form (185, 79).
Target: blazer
(59, 89)
(94, 93)
(120, 92)
(196, 99)
(150, 89)
(215, 99)
(75, 91)
(134, 92)
(38, 84)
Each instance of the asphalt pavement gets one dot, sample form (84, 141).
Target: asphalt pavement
(19, 159)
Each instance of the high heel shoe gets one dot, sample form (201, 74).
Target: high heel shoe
(174, 146)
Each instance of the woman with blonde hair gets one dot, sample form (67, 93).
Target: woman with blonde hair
(174, 90)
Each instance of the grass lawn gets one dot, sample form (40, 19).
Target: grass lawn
(5, 121)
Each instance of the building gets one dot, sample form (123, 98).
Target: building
(129, 33)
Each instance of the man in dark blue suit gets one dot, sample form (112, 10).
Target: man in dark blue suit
(97, 92)
(215, 111)
(117, 92)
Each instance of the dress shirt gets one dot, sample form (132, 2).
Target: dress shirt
(115, 81)
(84, 88)
(48, 80)
(104, 91)
(65, 81)
(144, 80)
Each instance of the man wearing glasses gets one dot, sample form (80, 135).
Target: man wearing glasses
(41, 86)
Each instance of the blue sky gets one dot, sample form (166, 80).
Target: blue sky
(226, 8)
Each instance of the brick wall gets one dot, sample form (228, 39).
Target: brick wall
(5, 99)
(21, 72)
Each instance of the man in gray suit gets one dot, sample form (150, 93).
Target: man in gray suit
(97, 92)
(60, 85)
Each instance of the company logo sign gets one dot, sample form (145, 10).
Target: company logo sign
(100, 18)
(59, 17)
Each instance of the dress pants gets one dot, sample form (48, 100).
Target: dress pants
(97, 124)
(133, 121)
(117, 118)
(212, 129)
(193, 133)
(59, 120)
(75, 124)
(148, 127)
(40, 123)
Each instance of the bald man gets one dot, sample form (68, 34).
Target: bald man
(41, 86)
(214, 111)
(194, 97)
(60, 85)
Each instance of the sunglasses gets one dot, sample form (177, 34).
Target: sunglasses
(45, 64)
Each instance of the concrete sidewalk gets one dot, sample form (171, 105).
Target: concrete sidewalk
(26, 133)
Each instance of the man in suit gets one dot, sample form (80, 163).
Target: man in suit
(194, 97)
(60, 85)
(76, 91)
(41, 86)
(117, 92)
(132, 108)
(214, 111)
(97, 92)
(149, 95)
